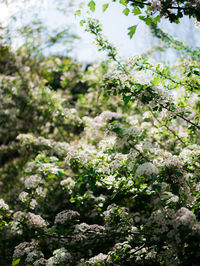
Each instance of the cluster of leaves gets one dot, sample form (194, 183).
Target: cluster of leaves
(99, 166)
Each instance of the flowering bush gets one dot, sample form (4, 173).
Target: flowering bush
(104, 168)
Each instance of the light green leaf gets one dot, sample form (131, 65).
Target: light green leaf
(105, 6)
(126, 11)
(78, 13)
(132, 31)
(123, 2)
(136, 11)
(82, 22)
(92, 5)
(15, 262)
(156, 81)
(156, 19)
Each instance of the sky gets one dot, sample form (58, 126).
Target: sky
(115, 26)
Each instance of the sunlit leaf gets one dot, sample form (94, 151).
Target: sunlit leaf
(78, 13)
(126, 11)
(105, 6)
(136, 11)
(132, 31)
(15, 262)
(123, 2)
(92, 5)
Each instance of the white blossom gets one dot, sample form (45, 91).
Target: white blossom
(66, 216)
(23, 196)
(100, 258)
(33, 204)
(32, 181)
(146, 169)
(3, 205)
(36, 220)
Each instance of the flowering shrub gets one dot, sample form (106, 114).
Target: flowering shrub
(104, 168)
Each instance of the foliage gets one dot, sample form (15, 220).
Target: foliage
(99, 166)
(153, 10)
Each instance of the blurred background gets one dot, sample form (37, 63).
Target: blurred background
(57, 17)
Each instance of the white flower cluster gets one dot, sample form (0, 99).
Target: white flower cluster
(131, 132)
(86, 228)
(33, 181)
(20, 250)
(66, 216)
(99, 259)
(146, 169)
(36, 220)
(170, 222)
(34, 255)
(120, 81)
(33, 204)
(24, 248)
(60, 256)
(173, 161)
(40, 191)
(109, 179)
(68, 182)
(17, 224)
(3, 205)
(40, 262)
(114, 211)
(171, 197)
(93, 126)
(105, 116)
(190, 152)
(107, 143)
(163, 221)
(82, 153)
(117, 250)
(185, 217)
(48, 145)
(23, 196)
(71, 114)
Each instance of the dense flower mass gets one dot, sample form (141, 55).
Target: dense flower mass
(146, 169)
(66, 216)
(99, 165)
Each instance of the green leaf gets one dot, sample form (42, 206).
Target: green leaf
(105, 6)
(82, 22)
(156, 81)
(92, 5)
(126, 99)
(146, 20)
(156, 19)
(126, 11)
(60, 174)
(123, 2)
(15, 262)
(136, 11)
(132, 31)
(78, 13)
